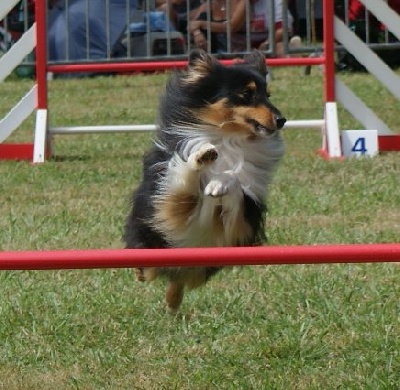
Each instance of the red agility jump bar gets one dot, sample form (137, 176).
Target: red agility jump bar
(193, 257)
(163, 65)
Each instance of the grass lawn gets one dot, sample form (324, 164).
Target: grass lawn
(278, 327)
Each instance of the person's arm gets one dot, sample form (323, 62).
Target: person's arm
(236, 21)
(278, 33)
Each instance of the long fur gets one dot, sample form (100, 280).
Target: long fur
(206, 178)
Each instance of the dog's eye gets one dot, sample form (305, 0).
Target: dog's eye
(247, 94)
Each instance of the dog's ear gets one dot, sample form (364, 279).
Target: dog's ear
(257, 59)
(201, 63)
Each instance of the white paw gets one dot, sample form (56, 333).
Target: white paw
(224, 184)
(204, 156)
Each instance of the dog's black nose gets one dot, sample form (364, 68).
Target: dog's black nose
(280, 121)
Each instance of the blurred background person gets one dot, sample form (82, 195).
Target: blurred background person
(222, 17)
(179, 13)
(259, 26)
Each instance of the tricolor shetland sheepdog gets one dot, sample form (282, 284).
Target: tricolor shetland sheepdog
(206, 178)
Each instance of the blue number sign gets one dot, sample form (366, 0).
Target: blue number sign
(359, 146)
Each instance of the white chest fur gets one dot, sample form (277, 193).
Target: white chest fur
(218, 186)
(252, 162)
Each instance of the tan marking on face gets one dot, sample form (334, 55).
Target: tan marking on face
(241, 118)
(252, 85)
(249, 87)
(236, 119)
(216, 113)
(261, 114)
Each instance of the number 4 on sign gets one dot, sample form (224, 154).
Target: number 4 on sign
(359, 146)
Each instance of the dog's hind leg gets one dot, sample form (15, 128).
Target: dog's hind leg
(174, 295)
(140, 274)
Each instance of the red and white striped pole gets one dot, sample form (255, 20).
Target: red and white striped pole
(329, 50)
(41, 53)
(42, 142)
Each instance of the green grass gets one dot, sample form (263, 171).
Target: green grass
(278, 327)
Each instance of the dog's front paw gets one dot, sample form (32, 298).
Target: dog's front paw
(204, 156)
(222, 185)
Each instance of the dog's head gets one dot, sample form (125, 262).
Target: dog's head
(233, 98)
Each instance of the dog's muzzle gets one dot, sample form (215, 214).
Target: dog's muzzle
(279, 122)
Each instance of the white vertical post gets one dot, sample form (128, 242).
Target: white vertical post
(40, 143)
(331, 136)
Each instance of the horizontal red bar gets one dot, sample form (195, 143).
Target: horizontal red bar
(193, 257)
(164, 65)
(16, 151)
(389, 143)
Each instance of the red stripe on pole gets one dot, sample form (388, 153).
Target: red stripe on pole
(16, 151)
(389, 143)
(152, 66)
(329, 51)
(41, 53)
(193, 257)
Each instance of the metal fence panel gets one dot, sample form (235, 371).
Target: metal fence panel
(81, 31)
